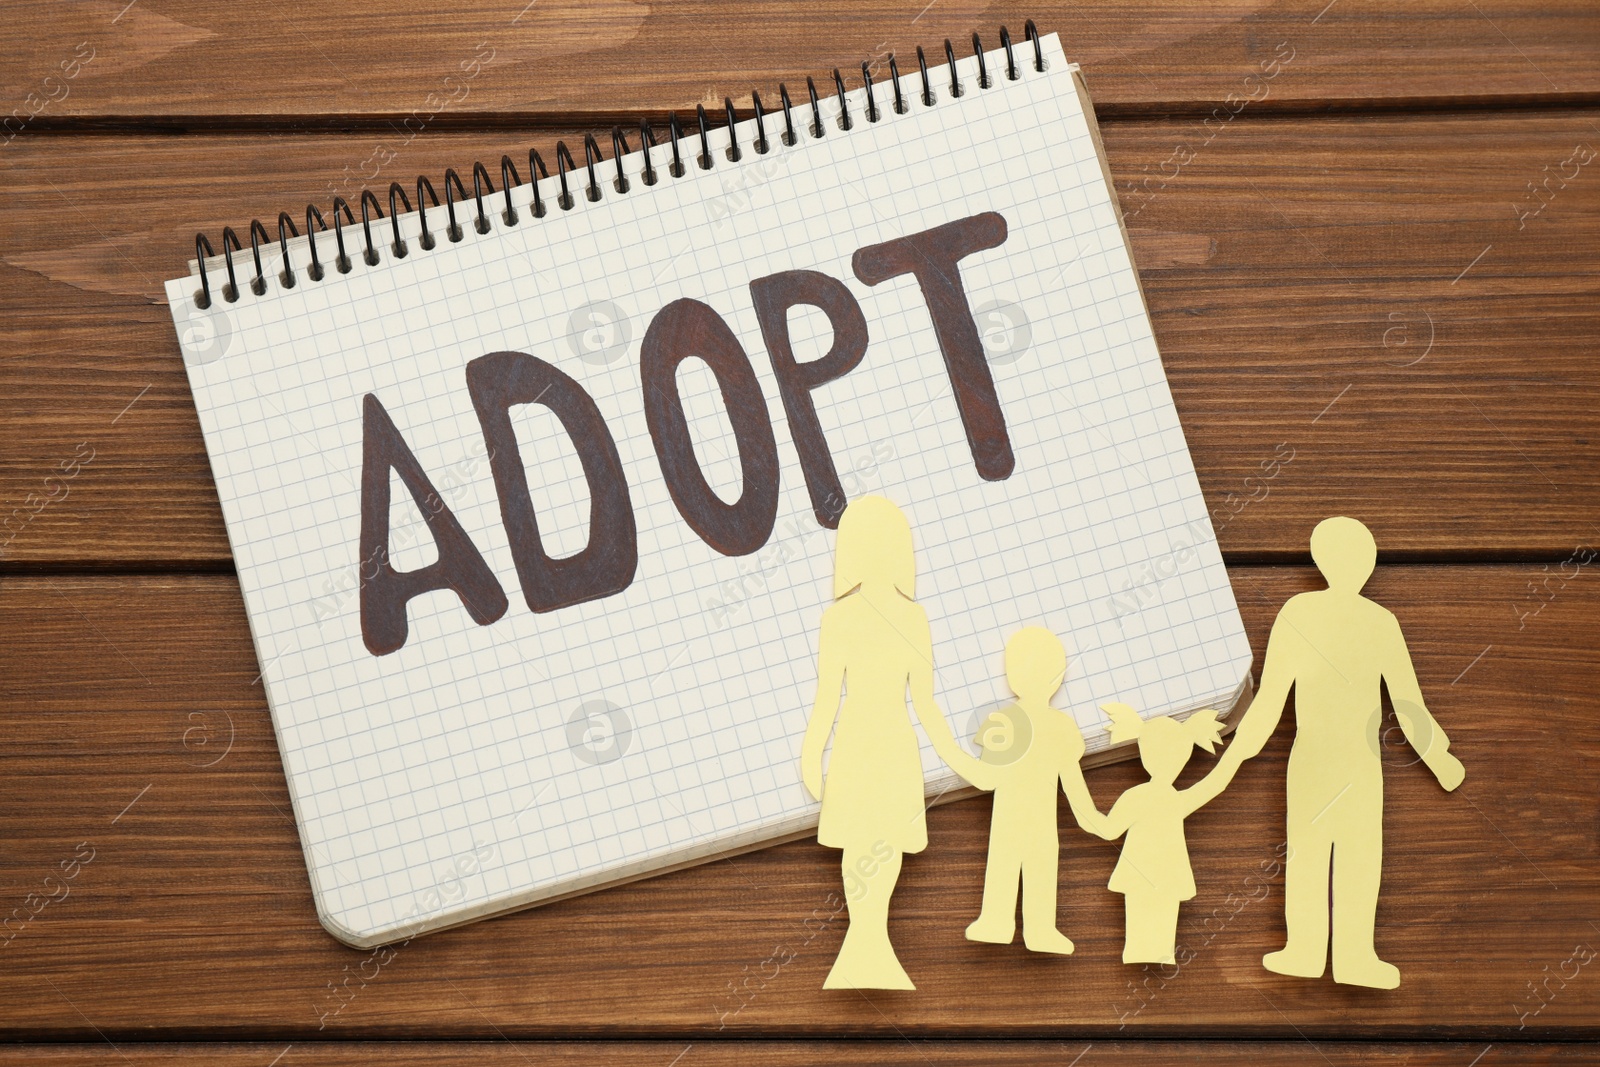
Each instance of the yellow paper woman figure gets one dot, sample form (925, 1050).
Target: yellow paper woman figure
(875, 644)
(1153, 874)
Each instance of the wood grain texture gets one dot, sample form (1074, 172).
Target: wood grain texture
(801, 1054)
(1357, 291)
(191, 64)
(1369, 291)
(133, 723)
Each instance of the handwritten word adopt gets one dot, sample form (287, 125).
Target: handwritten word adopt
(499, 381)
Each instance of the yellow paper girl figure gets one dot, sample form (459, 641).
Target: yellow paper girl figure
(1153, 874)
(875, 644)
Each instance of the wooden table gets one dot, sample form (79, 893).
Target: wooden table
(1386, 265)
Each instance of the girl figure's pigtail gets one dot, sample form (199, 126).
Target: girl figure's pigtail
(1125, 722)
(1203, 729)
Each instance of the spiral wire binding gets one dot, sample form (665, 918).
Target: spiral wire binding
(619, 148)
(788, 137)
(482, 184)
(509, 178)
(704, 158)
(816, 108)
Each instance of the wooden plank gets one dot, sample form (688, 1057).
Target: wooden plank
(799, 1054)
(1356, 293)
(133, 725)
(194, 64)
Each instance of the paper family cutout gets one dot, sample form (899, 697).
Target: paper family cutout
(1031, 747)
(1333, 647)
(1153, 874)
(875, 645)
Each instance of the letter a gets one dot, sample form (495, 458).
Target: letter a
(386, 591)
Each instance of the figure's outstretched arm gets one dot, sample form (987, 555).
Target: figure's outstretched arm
(1120, 818)
(1421, 729)
(938, 731)
(1084, 809)
(1261, 717)
(830, 687)
(932, 718)
(1207, 789)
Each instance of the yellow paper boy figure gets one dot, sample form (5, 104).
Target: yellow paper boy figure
(1153, 874)
(1031, 747)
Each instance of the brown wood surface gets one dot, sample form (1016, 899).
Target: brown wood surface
(1309, 280)
(195, 63)
(133, 722)
(804, 1054)
(1355, 286)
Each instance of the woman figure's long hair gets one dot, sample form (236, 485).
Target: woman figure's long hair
(874, 542)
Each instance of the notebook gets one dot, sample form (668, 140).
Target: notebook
(534, 525)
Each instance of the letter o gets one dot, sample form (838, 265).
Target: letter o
(687, 328)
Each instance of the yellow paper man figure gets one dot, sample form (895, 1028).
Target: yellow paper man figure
(875, 644)
(1335, 647)
(1030, 746)
(1153, 874)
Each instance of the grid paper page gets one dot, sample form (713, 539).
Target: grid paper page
(479, 768)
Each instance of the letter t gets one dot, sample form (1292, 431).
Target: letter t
(932, 256)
